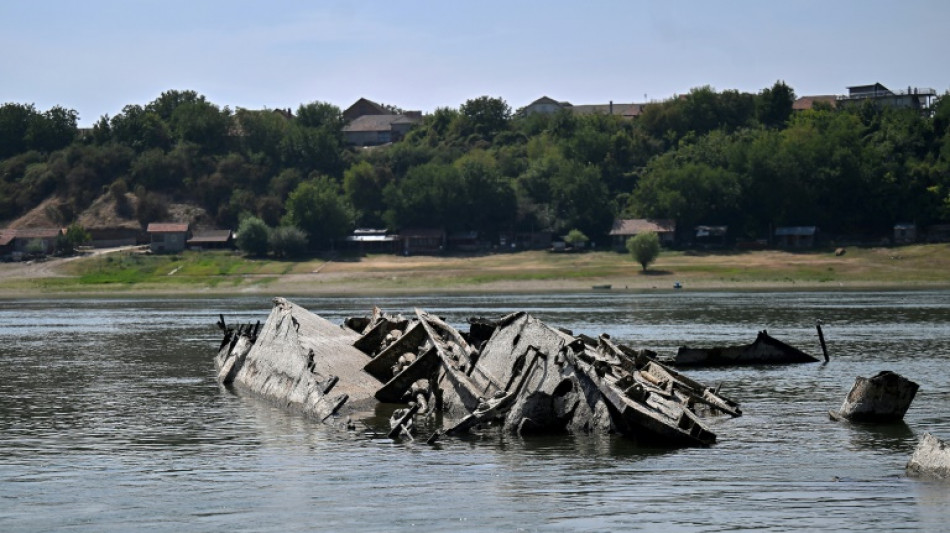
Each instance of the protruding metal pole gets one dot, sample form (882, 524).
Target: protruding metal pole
(821, 339)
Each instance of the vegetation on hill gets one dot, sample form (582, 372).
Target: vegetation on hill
(715, 158)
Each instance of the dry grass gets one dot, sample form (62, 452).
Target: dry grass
(910, 266)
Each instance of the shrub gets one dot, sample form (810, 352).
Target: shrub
(644, 248)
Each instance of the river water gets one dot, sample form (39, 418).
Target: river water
(111, 420)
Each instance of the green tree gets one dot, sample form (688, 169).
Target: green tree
(74, 236)
(288, 241)
(252, 236)
(774, 106)
(645, 248)
(485, 116)
(15, 120)
(576, 238)
(428, 196)
(363, 185)
(321, 115)
(318, 208)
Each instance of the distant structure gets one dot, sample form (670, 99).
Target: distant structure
(371, 124)
(547, 105)
(879, 95)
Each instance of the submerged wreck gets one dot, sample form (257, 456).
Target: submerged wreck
(515, 374)
(765, 350)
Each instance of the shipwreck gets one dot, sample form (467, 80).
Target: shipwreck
(765, 350)
(514, 374)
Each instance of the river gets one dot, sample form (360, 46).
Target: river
(111, 420)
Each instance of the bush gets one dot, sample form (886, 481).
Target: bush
(288, 241)
(576, 238)
(644, 248)
(253, 236)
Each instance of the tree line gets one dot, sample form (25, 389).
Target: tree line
(707, 157)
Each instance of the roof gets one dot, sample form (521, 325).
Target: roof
(546, 100)
(372, 238)
(795, 230)
(377, 123)
(626, 110)
(422, 232)
(28, 233)
(365, 103)
(715, 231)
(807, 102)
(636, 226)
(167, 227)
(211, 236)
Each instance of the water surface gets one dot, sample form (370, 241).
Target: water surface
(111, 420)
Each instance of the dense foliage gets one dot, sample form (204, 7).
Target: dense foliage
(714, 158)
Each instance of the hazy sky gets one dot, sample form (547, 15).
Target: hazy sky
(98, 56)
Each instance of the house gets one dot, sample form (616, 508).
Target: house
(938, 233)
(167, 236)
(547, 105)
(627, 111)
(363, 107)
(465, 241)
(544, 106)
(905, 233)
(711, 236)
(623, 229)
(369, 240)
(422, 241)
(795, 236)
(114, 236)
(16, 242)
(217, 239)
(375, 130)
(881, 96)
(808, 102)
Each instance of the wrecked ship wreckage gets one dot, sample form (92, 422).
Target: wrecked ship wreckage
(515, 373)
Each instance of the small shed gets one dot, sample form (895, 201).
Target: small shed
(422, 241)
(795, 236)
(372, 240)
(6, 242)
(623, 229)
(214, 239)
(167, 236)
(905, 233)
(26, 240)
(711, 235)
(466, 241)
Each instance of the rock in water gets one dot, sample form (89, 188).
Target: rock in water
(882, 398)
(931, 458)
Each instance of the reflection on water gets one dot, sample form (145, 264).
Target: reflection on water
(111, 420)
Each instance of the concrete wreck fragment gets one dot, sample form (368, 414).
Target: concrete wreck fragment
(931, 458)
(300, 361)
(885, 397)
(515, 374)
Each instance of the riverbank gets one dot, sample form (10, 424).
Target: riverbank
(129, 271)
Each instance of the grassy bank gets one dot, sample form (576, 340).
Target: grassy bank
(224, 272)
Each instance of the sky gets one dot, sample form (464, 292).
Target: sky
(97, 56)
